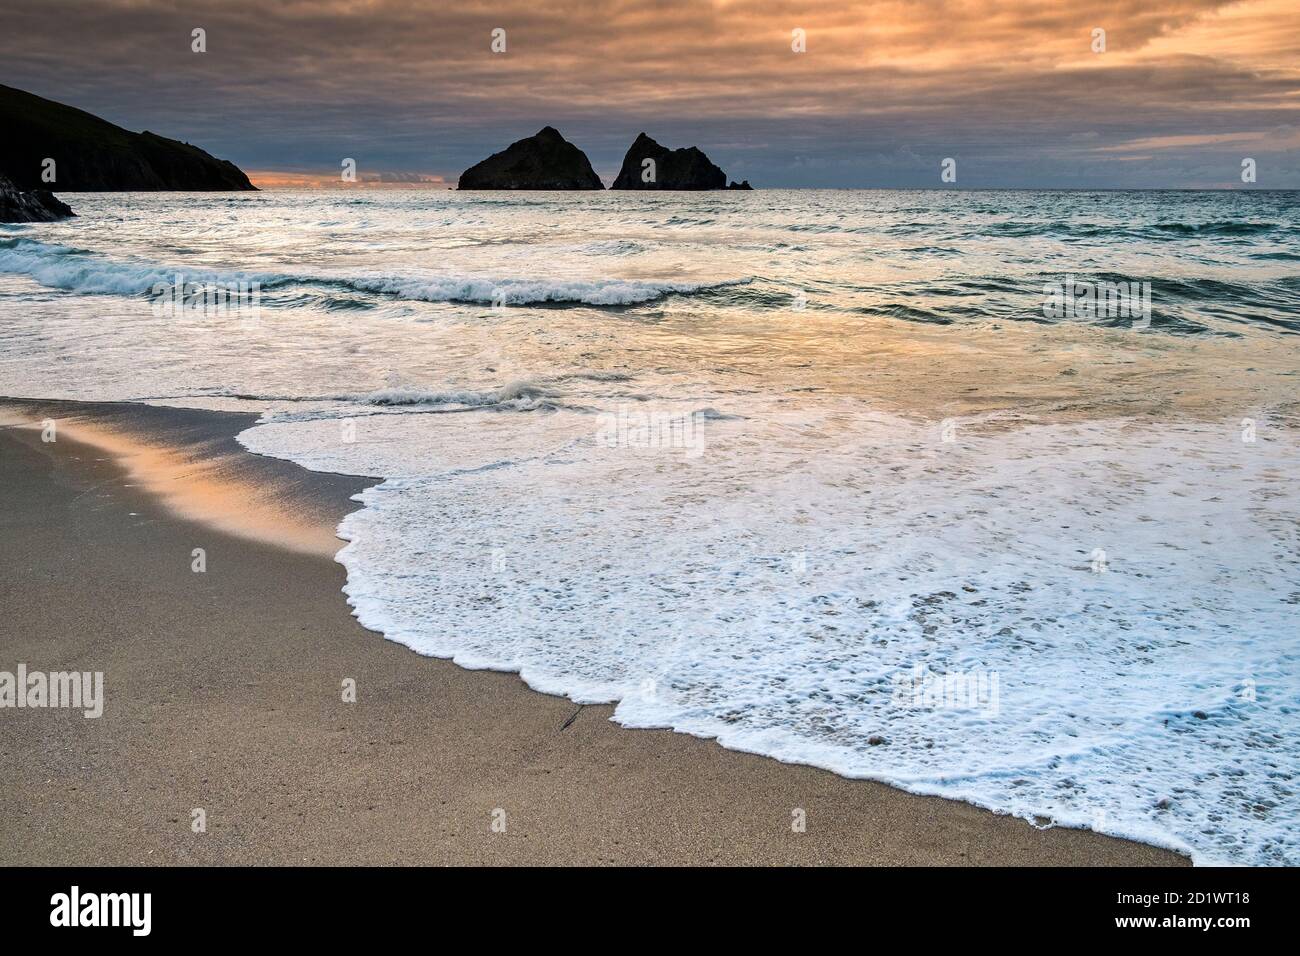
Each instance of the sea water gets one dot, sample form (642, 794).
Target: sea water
(825, 475)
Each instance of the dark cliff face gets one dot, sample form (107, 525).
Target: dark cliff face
(673, 168)
(37, 205)
(544, 161)
(91, 154)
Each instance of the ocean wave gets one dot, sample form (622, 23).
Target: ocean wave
(605, 292)
(88, 273)
(1158, 231)
(523, 395)
(908, 313)
(614, 247)
(1215, 228)
(518, 394)
(85, 272)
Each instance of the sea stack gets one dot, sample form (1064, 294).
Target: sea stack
(51, 144)
(648, 165)
(36, 205)
(545, 160)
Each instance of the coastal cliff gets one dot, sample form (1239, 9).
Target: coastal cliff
(90, 154)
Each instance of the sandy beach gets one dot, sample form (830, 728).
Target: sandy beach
(223, 693)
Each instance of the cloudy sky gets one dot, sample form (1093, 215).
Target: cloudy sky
(1011, 89)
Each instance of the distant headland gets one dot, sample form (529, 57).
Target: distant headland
(51, 146)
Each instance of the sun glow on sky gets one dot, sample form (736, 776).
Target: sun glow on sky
(883, 91)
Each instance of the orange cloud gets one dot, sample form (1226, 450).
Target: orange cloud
(406, 85)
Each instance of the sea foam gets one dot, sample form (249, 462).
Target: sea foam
(85, 272)
(1129, 591)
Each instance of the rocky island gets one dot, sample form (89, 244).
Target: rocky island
(545, 160)
(649, 165)
(86, 153)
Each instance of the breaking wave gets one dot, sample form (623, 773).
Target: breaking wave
(88, 273)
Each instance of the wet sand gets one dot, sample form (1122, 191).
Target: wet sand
(224, 693)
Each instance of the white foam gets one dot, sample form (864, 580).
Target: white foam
(80, 271)
(73, 270)
(773, 591)
(519, 394)
(516, 291)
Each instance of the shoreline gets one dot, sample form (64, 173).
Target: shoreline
(223, 694)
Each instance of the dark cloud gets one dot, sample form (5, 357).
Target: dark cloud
(886, 90)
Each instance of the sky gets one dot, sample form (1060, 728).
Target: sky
(1013, 90)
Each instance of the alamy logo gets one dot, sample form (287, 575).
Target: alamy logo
(103, 909)
(957, 690)
(1073, 299)
(82, 691)
(198, 299)
(632, 427)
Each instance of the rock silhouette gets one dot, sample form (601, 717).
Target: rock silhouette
(542, 161)
(668, 168)
(36, 205)
(91, 154)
